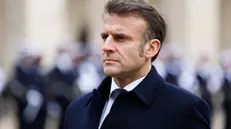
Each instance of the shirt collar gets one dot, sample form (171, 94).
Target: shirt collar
(128, 87)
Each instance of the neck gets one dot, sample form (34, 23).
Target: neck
(127, 79)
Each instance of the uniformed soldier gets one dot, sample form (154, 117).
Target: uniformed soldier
(28, 89)
(203, 76)
(61, 80)
(227, 97)
(226, 87)
(173, 70)
(173, 63)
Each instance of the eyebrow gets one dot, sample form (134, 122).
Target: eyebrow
(116, 34)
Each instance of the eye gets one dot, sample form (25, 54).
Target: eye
(119, 37)
(104, 36)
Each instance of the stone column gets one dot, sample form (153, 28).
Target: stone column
(77, 17)
(171, 10)
(225, 24)
(14, 24)
(2, 30)
(93, 12)
(193, 24)
(202, 29)
(46, 24)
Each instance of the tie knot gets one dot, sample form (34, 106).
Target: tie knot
(115, 93)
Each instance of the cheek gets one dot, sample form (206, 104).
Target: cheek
(142, 50)
(131, 53)
(133, 56)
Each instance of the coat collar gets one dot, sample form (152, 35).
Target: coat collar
(145, 91)
(149, 87)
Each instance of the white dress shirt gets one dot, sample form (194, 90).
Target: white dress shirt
(110, 101)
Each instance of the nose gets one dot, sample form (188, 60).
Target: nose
(108, 45)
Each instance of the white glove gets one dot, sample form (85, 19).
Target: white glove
(34, 99)
(30, 113)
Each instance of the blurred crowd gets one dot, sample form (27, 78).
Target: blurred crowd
(40, 92)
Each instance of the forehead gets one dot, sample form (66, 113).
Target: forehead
(129, 24)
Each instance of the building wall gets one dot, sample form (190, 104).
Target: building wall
(13, 30)
(225, 24)
(2, 29)
(193, 25)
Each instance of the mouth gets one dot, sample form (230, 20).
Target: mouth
(110, 60)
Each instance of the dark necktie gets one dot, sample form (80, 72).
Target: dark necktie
(115, 93)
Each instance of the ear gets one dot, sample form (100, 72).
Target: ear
(152, 48)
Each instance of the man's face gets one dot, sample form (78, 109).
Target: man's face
(122, 47)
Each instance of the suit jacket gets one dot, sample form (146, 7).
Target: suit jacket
(153, 104)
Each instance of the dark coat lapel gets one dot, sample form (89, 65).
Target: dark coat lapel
(95, 105)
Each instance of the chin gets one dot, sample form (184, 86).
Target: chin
(111, 72)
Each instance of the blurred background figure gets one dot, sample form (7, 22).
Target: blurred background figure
(89, 70)
(226, 86)
(203, 75)
(28, 89)
(61, 81)
(3, 80)
(208, 78)
(90, 67)
(173, 63)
